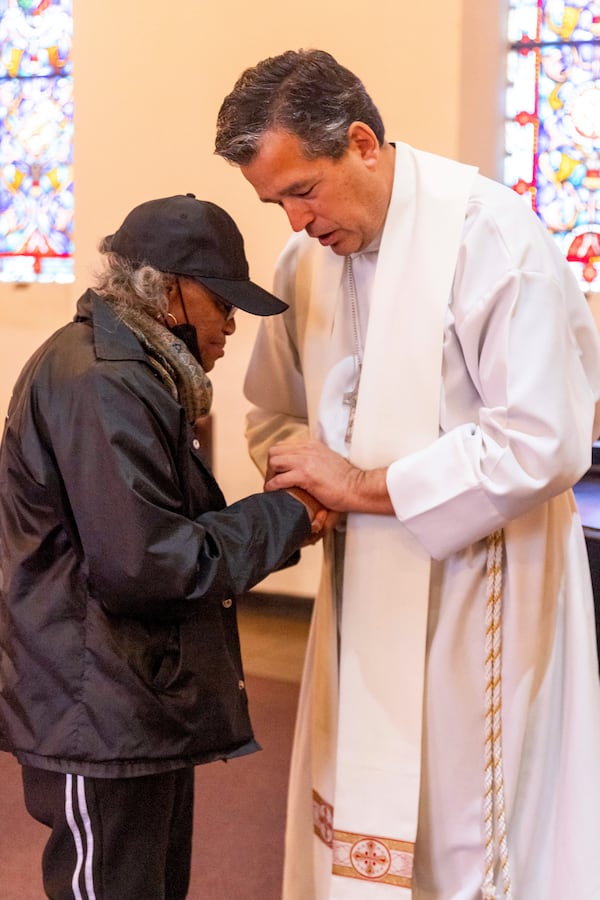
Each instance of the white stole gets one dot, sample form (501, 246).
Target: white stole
(386, 573)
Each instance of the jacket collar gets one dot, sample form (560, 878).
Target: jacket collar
(112, 339)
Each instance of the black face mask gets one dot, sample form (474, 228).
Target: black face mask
(188, 334)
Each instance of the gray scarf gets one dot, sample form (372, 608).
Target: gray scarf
(172, 361)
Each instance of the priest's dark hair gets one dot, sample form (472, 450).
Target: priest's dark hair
(305, 92)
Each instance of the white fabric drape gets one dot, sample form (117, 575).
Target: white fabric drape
(510, 434)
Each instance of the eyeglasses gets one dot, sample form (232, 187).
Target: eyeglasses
(228, 309)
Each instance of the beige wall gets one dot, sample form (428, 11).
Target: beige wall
(149, 82)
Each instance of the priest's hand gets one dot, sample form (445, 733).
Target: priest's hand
(328, 476)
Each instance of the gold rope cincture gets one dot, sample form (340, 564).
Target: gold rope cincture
(496, 846)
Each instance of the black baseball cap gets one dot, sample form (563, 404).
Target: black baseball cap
(185, 236)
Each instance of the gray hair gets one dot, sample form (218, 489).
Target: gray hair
(305, 92)
(129, 285)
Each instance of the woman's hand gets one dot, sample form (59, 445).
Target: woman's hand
(321, 519)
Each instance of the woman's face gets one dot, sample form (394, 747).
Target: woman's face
(193, 304)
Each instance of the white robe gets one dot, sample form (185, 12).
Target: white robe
(519, 392)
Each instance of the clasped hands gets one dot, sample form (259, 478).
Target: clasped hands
(315, 475)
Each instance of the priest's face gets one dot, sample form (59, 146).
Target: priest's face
(342, 203)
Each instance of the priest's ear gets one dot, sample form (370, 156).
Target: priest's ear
(363, 139)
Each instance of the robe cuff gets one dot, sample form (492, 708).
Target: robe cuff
(437, 497)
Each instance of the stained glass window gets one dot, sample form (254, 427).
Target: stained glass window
(553, 123)
(36, 141)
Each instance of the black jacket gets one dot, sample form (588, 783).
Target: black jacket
(119, 649)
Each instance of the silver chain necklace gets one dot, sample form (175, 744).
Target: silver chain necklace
(351, 397)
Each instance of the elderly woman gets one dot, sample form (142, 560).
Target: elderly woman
(120, 664)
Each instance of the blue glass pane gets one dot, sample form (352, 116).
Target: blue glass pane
(553, 123)
(35, 38)
(36, 141)
(571, 21)
(36, 171)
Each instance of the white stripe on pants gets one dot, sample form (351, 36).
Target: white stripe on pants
(84, 842)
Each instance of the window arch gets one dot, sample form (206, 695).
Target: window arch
(553, 123)
(36, 141)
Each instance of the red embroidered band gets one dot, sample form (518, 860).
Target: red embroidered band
(384, 860)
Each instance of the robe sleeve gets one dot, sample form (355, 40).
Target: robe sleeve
(530, 353)
(274, 381)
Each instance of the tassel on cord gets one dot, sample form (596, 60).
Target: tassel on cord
(494, 814)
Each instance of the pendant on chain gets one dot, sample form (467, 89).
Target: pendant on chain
(350, 398)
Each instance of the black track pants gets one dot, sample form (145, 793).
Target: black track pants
(114, 838)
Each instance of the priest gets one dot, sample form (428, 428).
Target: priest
(435, 383)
